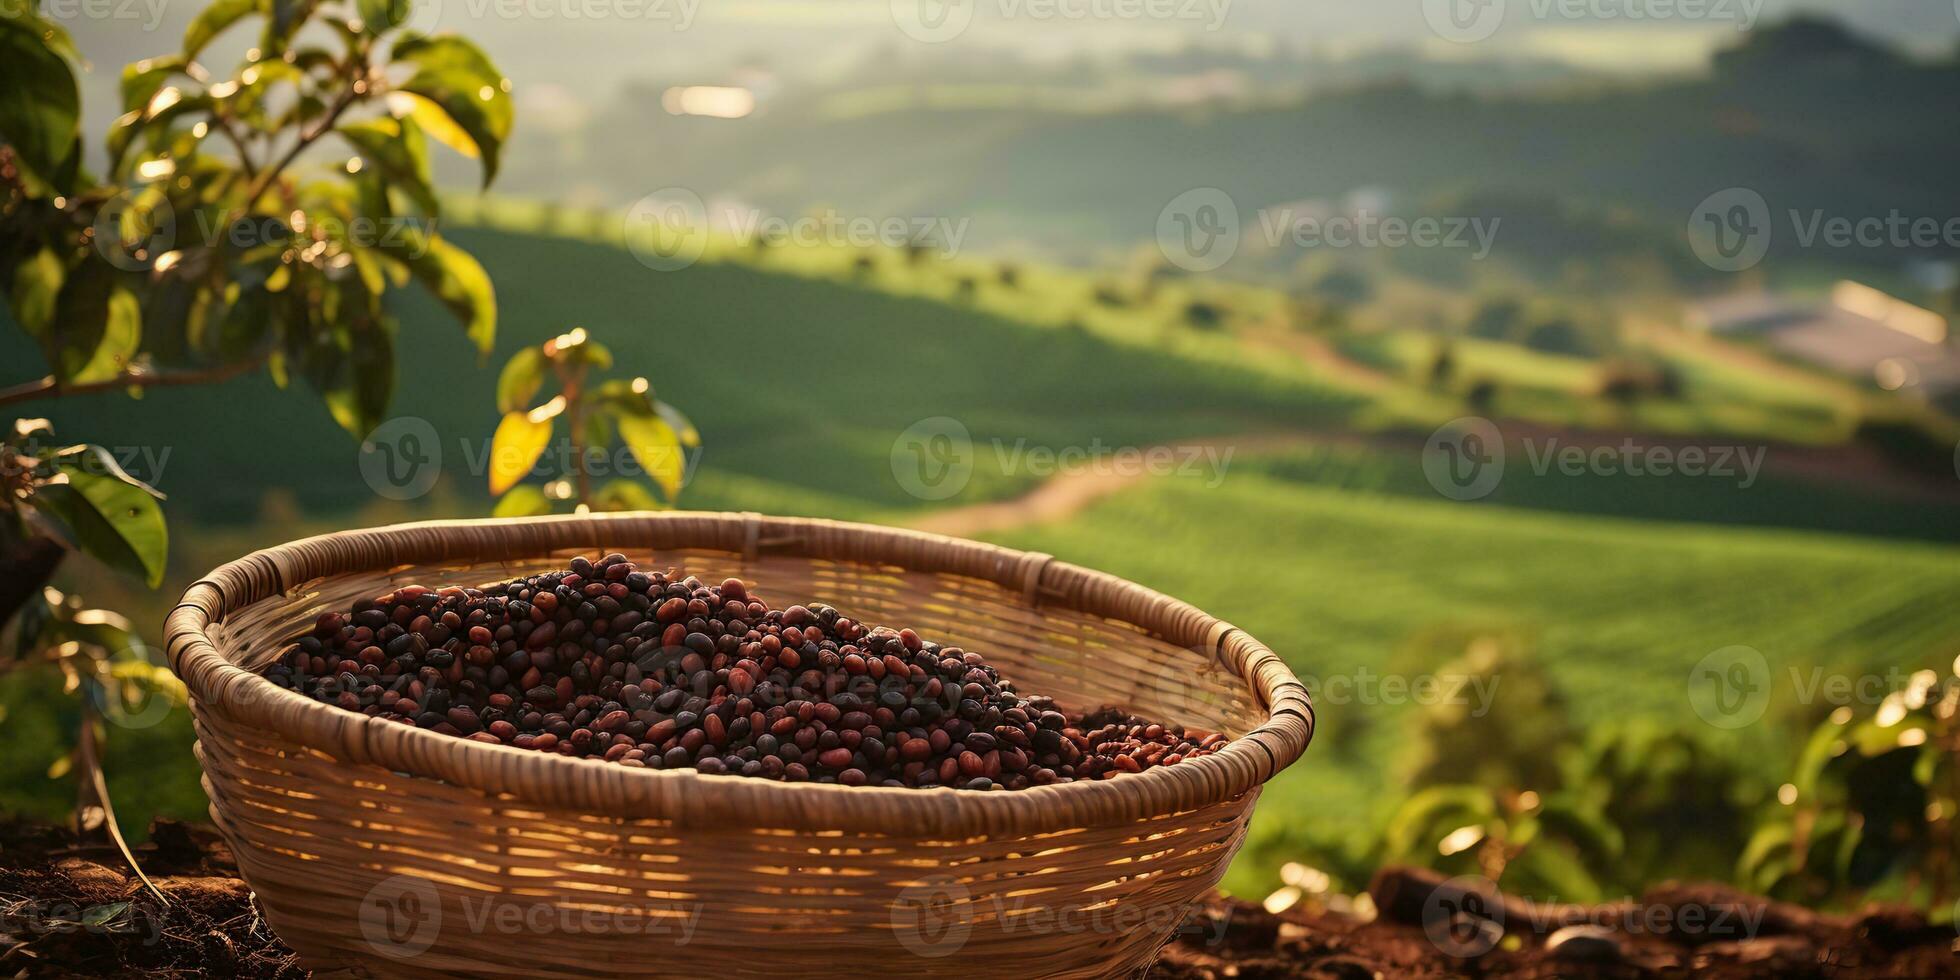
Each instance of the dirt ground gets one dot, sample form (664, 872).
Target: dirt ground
(69, 909)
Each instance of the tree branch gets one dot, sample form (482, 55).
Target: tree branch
(347, 97)
(48, 387)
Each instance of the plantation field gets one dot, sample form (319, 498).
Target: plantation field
(1616, 611)
(802, 367)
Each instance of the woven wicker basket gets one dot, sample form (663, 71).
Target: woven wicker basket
(382, 849)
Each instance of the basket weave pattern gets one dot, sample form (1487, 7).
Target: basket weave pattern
(387, 850)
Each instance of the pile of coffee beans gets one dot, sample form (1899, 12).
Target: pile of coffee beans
(605, 661)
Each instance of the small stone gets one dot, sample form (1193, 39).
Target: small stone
(1584, 944)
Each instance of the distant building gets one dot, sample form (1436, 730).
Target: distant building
(1859, 331)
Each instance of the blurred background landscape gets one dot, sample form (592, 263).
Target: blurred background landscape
(1121, 233)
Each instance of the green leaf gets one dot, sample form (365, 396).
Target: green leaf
(690, 436)
(456, 75)
(163, 109)
(522, 501)
(1548, 869)
(458, 281)
(115, 520)
(142, 79)
(520, 380)
(520, 439)
(378, 16)
(99, 917)
(398, 148)
(619, 495)
(358, 395)
(40, 105)
(658, 448)
(212, 21)
(96, 328)
(624, 397)
(37, 286)
(287, 18)
(54, 35)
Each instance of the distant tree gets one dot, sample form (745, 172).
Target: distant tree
(1496, 319)
(1559, 335)
(1204, 315)
(1344, 287)
(1442, 364)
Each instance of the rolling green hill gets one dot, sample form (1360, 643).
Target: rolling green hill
(1342, 583)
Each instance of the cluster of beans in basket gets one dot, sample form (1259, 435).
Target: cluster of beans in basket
(605, 661)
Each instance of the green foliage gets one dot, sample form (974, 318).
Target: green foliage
(1872, 805)
(655, 433)
(200, 254)
(204, 250)
(1509, 740)
(81, 494)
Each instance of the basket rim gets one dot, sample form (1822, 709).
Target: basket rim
(689, 798)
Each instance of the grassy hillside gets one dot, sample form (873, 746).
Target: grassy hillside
(799, 385)
(1616, 611)
(801, 368)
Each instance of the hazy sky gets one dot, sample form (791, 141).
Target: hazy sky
(572, 51)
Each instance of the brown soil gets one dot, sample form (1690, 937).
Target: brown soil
(68, 909)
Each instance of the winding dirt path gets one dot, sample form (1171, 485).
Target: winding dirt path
(1068, 492)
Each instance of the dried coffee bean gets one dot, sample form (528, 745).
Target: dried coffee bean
(607, 662)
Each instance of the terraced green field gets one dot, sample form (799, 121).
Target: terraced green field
(1342, 583)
